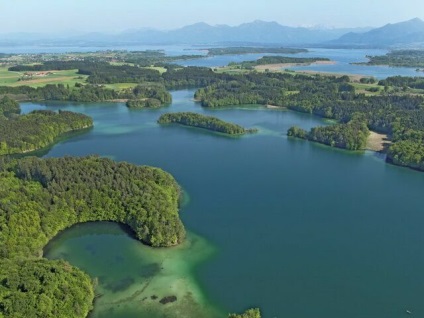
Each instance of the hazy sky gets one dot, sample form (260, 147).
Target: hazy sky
(118, 15)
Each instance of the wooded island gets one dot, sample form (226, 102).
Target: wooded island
(205, 122)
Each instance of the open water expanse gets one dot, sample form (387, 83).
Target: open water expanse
(299, 229)
(343, 59)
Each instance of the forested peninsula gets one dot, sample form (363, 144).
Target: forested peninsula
(253, 50)
(278, 60)
(352, 135)
(89, 93)
(41, 197)
(38, 129)
(206, 122)
(401, 58)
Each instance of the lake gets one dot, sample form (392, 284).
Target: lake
(342, 58)
(299, 229)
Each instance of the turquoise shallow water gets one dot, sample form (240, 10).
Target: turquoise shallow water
(299, 229)
(131, 278)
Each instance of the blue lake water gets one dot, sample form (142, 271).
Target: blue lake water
(298, 229)
(342, 58)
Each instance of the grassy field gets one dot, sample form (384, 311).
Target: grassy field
(362, 88)
(231, 70)
(69, 77)
(8, 78)
(57, 77)
(158, 68)
(120, 86)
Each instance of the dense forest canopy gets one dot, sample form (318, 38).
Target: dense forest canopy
(8, 107)
(403, 82)
(109, 74)
(74, 190)
(40, 197)
(149, 96)
(250, 313)
(407, 153)
(44, 289)
(352, 135)
(89, 93)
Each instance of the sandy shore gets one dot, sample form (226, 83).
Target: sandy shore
(282, 66)
(377, 142)
(275, 107)
(353, 77)
(278, 67)
(117, 100)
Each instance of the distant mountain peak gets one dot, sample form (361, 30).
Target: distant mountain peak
(391, 34)
(198, 25)
(260, 23)
(416, 20)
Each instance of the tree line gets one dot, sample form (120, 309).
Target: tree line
(402, 58)
(352, 135)
(403, 82)
(278, 60)
(253, 50)
(89, 93)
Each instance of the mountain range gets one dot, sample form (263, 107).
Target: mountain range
(409, 33)
(258, 32)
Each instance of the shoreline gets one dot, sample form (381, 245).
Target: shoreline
(282, 66)
(275, 107)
